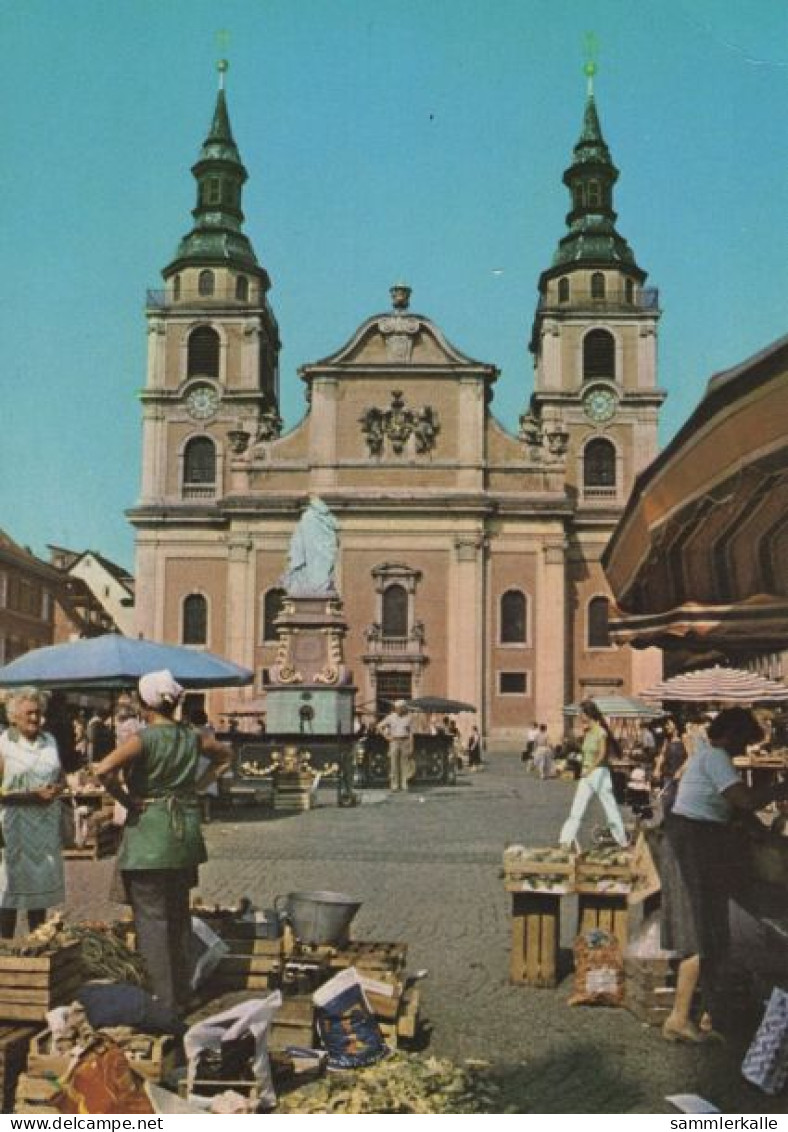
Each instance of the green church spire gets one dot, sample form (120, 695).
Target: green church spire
(217, 237)
(592, 239)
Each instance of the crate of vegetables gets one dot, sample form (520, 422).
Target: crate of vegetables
(605, 871)
(548, 870)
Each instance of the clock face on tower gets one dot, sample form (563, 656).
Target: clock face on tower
(600, 404)
(202, 402)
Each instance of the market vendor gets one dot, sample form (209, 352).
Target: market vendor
(31, 870)
(697, 865)
(154, 775)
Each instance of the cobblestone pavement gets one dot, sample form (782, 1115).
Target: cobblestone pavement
(427, 866)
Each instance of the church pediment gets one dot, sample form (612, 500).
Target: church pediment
(397, 338)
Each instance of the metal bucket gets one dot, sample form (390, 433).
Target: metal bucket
(318, 917)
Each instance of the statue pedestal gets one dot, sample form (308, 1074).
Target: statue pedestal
(310, 688)
(310, 710)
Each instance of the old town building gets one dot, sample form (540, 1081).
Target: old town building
(470, 553)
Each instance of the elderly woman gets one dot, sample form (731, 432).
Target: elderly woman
(599, 744)
(31, 872)
(154, 775)
(697, 864)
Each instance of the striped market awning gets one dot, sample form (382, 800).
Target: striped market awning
(718, 685)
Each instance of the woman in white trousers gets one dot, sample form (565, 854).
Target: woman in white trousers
(596, 780)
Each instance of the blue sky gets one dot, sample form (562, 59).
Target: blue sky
(422, 140)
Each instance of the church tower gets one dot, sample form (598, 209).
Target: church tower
(213, 341)
(594, 336)
(594, 342)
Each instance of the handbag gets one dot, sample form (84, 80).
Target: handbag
(766, 1061)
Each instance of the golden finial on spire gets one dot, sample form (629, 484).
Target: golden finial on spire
(590, 66)
(222, 42)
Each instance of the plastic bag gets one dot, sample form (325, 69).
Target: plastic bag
(599, 970)
(103, 1081)
(766, 1061)
(252, 1017)
(347, 1027)
(208, 949)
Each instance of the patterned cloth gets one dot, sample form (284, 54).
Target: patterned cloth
(31, 871)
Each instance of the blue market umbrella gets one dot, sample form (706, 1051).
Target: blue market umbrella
(437, 705)
(114, 661)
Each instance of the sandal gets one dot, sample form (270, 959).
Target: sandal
(672, 1032)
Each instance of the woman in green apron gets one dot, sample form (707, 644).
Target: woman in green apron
(154, 775)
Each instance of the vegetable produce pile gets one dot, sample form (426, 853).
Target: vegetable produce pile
(401, 1083)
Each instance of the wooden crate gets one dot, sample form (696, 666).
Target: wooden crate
(32, 985)
(536, 921)
(522, 874)
(36, 1094)
(245, 972)
(603, 911)
(379, 960)
(103, 842)
(14, 1044)
(153, 1056)
(293, 1024)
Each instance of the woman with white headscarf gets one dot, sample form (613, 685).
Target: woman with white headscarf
(154, 775)
(31, 869)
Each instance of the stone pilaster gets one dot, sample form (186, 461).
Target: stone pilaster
(465, 627)
(240, 600)
(323, 433)
(551, 636)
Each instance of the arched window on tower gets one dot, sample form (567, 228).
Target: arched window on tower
(598, 623)
(563, 290)
(273, 602)
(599, 355)
(599, 464)
(514, 620)
(199, 467)
(598, 285)
(195, 620)
(593, 194)
(395, 611)
(242, 289)
(203, 353)
(206, 283)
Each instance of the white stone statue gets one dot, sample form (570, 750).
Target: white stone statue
(313, 553)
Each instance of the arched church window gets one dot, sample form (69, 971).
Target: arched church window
(195, 620)
(599, 355)
(598, 285)
(598, 623)
(206, 283)
(599, 463)
(213, 192)
(395, 611)
(563, 290)
(199, 461)
(514, 623)
(203, 353)
(242, 289)
(273, 602)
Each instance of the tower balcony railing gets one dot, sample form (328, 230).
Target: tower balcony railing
(199, 491)
(644, 299)
(162, 299)
(379, 645)
(600, 494)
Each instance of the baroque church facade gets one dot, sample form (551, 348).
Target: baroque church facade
(469, 561)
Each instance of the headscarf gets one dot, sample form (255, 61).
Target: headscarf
(159, 689)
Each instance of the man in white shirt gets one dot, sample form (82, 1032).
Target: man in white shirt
(398, 730)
